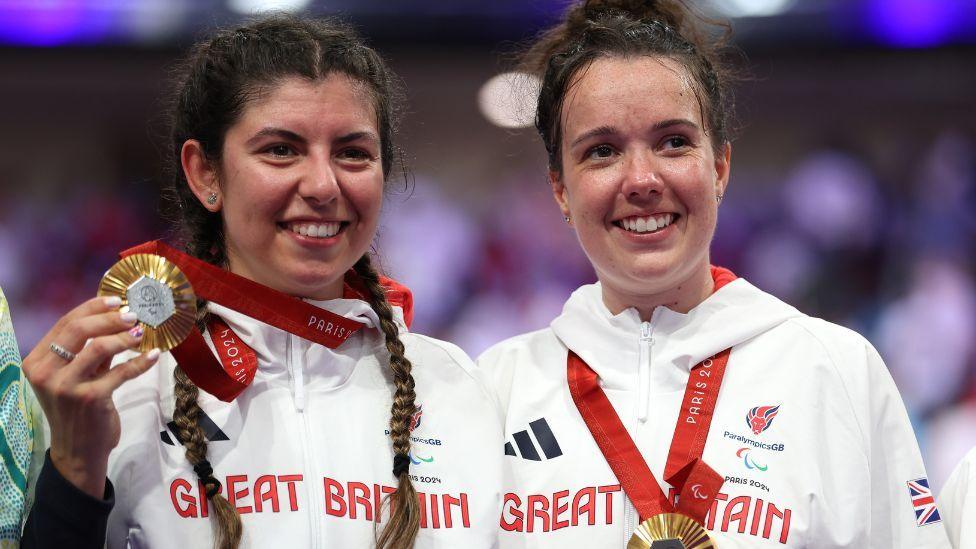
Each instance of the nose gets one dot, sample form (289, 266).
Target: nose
(320, 183)
(641, 178)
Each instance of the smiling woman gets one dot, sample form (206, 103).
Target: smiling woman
(698, 407)
(303, 200)
(282, 139)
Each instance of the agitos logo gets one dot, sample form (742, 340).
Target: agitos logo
(761, 417)
(748, 460)
(418, 459)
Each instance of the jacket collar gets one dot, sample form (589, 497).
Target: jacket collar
(324, 367)
(610, 344)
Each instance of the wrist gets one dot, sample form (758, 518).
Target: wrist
(87, 473)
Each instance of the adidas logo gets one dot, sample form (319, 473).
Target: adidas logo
(210, 429)
(530, 444)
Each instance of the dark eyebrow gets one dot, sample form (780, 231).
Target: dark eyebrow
(355, 136)
(602, 130)
(674, 122)
(277, 132)
(610, 130)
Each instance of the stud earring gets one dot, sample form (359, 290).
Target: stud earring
(719, 197)
(566, 218)
(212, 199)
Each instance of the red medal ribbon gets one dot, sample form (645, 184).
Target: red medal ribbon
(697, 483)
(256, 300)
(238, 360)
(235, 370)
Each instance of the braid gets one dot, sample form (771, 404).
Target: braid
(195, 441)
(404, 524)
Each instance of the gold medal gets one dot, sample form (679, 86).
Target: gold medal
(670, 531)
(160, 295)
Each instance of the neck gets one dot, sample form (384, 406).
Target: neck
(681, 297)
(332, 290)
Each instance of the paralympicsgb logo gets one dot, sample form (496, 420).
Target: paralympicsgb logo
(761, 417)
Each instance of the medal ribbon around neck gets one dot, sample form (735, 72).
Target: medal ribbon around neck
(697, 483)
(229, 377)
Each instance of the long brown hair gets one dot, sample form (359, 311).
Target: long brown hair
(215, 84)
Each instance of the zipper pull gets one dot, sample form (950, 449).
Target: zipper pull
(646, 332)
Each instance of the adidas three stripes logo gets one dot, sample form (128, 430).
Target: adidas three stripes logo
(528, 448)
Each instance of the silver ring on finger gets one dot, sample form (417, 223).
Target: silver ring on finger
(62, 352)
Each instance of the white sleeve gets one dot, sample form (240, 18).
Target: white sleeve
(957, 502)
(903, 510)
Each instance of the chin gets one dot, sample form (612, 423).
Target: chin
(313, 284)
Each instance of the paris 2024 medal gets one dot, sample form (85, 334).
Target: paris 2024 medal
(160, 295)
(670, 531)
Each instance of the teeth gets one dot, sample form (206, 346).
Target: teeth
(315, 230)
(647, 224)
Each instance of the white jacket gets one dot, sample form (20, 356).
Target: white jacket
(303, 452)
(831, 469)
(958, 503)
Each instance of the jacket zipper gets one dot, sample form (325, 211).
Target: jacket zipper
(298, 394)
(644, 371)
(646, 341)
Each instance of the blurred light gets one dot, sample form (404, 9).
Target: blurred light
(833, 198)
(156, 20)
(753, 8)
(508, 99)
(913, 23)
(254, 6)
(54, 22)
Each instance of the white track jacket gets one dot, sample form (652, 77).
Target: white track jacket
(836, 467)
(303, 452)
(958, 503)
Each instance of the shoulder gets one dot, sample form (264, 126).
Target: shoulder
(852, 371)
(833, 338)
(962, 479)
(506, 353)
(846, 353)
(436, 349)
(957, 501)
(442, 363)
(524, 357)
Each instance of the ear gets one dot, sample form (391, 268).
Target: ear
(723, 166)
(200, 174)
(560, 193)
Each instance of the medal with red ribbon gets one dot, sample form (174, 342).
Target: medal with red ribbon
(664, 523)
(157, 300)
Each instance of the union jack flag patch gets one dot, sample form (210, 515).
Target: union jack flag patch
(923, 502)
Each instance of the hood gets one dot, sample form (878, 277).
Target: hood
(610, 344)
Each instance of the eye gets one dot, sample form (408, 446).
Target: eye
(675, 142)
(280, 150)
(600, 152)
(355, 154)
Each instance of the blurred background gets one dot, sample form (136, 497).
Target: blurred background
(853, 190)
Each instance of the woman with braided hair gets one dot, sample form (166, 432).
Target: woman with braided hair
(672, 397)
(282, 140)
